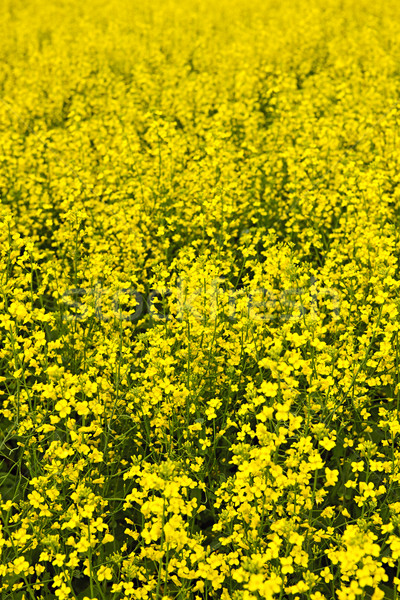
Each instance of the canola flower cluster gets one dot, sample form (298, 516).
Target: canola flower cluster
(238, 164)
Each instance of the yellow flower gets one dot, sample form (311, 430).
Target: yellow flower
(357, 466)
(63, 408)
(327, 443)
(286, 563)
(104, 573)
(331, 476)
(269, 388)
(282, 411)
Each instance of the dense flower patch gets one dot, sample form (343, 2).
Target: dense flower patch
(199, 290)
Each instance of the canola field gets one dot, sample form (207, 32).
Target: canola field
(199, 292)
